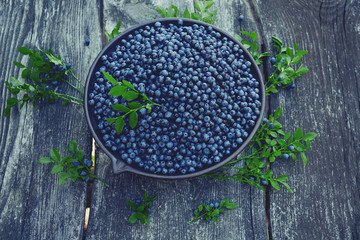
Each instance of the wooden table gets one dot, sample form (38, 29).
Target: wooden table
(325, 203)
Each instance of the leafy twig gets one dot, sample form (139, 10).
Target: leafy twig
(212, 210)
(141, 209)
(284, 75)
(252, 46)
(114, 32)
(128, 92)
(270, 142)
(72, 166)
(202, 12)
(44, 74)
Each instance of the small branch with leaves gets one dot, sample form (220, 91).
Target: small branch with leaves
(202, 12)
(127, 91)
(270, 142)
(284, 74)
(252, 46)
(44, 74)
(212, 210)
(72, 166)
(114, 32)
(141, 209)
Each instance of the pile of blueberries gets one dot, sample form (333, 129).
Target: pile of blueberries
(211, 100)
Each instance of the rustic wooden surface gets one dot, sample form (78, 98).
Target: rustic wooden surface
(325, 203)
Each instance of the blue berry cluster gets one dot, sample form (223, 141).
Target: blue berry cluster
(52, 78)
(205, 83)
(88, 163)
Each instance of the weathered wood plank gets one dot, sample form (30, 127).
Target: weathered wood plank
(172, 212)
(32, 206)
(325, 203)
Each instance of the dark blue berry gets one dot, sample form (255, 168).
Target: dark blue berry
(285, 156)
(83, 173)
(291, 148)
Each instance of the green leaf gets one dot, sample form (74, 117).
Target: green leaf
(296, 46)
(80, 155)
(195, 16)
(277, 41)
(117, 91)
(301, 53)
(62, 181)
(25, 73)
(55, 154)
(198, 5)
(274, 184)
(173, 11)
(304, 158)
(12, 102)
(286, 137)
(186, 14)
(134, 105)
(110, 78)
(64, 175)
(231, 205)
(132, 219)
(309, 136)
(57, 168)
(298, 146)
(129, 85)
(253, 36)
(73, 146)
(296, 60)
(282, 178)
(161, 10)
(298, 133)
(130, 95)
(24, 50)
(120, 107)
(45, 160)
(119, 125)
(208, 4)
(133, 119)
(110, 120)
(201, 207)
(19, 65)
(7, 111)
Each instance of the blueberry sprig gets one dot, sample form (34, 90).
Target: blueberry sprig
(127, 91)
(270, 142)
(284, 73)
(41, 79)
(202, 12)
(114, 32)
(141, 209)
(252, 46)
(72, 166)
(212, 210)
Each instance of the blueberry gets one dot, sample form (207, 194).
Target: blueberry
(88, 162)
(83, 173)
(54, 83)
(291, 148)
(273, 60)
(271, 126)
(87, 179)
(47, 88)
(285, 156)
(265, 121)
(281, 61)
(87, 41)
(76, 163)
(68, 66)
(216, 204)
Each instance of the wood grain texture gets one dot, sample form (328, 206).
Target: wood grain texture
(326, 202)
(173, 210)
(32, 206)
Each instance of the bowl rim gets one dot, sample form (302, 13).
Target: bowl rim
(119, 166)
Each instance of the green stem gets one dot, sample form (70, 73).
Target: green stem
(77, 79)
(74, 87)
(70, 100)
(74, 98)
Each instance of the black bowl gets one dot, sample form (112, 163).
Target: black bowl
(118, 165)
